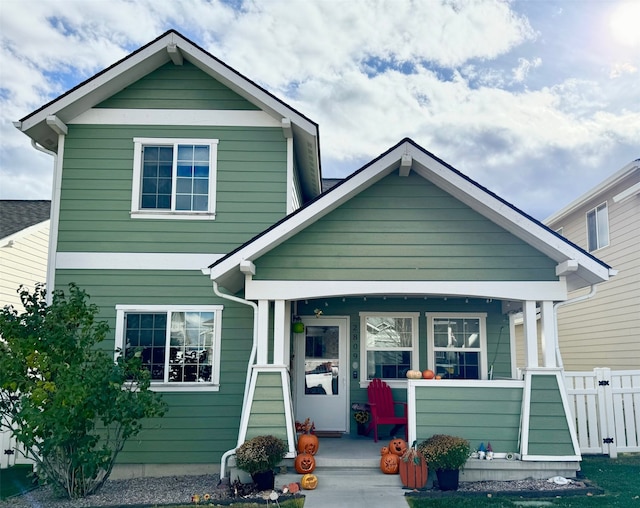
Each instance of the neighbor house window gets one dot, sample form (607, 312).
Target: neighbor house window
(389, 344)
(598, 227)
(179, 345)
(174, 178)
(457, 345)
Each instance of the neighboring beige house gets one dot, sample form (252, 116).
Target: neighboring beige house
(604, 330)
(24, 243)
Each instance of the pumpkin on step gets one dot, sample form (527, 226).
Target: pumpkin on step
(305, 463)
(389, 463)
(398, 446)
(309, 481)
(308, 443)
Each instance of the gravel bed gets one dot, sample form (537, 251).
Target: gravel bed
(179, 489)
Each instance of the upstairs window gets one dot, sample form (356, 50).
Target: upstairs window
(174, 178)
(598, 227)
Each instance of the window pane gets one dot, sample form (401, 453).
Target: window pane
(458, 365)
(156, 172)
(603, 226)
(183, 202)
(592, 230)
(201, 171)
(200, 203)
(147, 331)
(183, 185)
(456, 333)
(191, 347)
(185, 170)
(388, 364)
(201, 153)
(389, 332)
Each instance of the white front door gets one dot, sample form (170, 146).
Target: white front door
(321, 372)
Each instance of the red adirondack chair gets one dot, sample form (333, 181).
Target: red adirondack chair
(383, 410)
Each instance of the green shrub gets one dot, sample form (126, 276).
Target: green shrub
(260, 454)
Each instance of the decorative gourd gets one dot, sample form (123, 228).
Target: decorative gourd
(293, 487)
(389, 463)
(397, 446)
(309, 481)
(414, 374)
(308, 443)
(428, 374)
(305, 463)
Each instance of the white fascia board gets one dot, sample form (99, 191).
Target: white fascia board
(306, 216)
(502, 214)
(511, 290)
(133, 261)
(190, 117)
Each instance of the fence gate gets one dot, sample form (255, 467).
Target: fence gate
(606, 408)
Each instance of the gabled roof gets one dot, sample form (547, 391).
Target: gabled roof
(602, 188)
(16, 215)
(173, 46)
(580, 267)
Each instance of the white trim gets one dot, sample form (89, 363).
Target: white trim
(412, 421)
(629, 192)
(262, 353)
(132, 261)
(415, 344)
(467, 383)
(482, 350)
(595, 209)
(290, 186)
(214, 385)
(148, 213)
(181, 117)
(54, 217)
(508, 290)
(512, 344)
(551, 458)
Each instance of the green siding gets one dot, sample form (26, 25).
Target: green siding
(267, 410)
(96, 191)
(404, 229)
(177, 87)
(548, 427)
(479, 414)
(199, 426)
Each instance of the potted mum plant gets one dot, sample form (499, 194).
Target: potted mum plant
(447, 455)
(259, 456)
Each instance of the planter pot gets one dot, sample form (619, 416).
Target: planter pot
(362, 429)
(265, 480)
(448, 478)
(412, 475)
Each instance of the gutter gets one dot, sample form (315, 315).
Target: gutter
(252, 357)
(556, 306)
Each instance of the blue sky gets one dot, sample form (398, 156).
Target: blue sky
(536, 100)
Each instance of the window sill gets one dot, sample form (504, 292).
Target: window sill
(184, 387)
(138, 214)
(393, 383)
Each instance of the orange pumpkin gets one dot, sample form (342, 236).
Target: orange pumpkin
(428, 374)
(309, 481)
(305, 463)
(389, 463)
(397, 446)
(308, 443)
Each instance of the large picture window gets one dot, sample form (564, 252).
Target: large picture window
(598, 227)
(174, 177)
(389, 344)
(457, 345)
(179, 345)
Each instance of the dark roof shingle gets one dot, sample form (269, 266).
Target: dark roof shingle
(16, 214)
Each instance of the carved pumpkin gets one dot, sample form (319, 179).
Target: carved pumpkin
(384, 450)
(389, 463)
(414, 374)
(428, 374)
(309, 481)
(308, 443)
(398, 447)
(305, 463)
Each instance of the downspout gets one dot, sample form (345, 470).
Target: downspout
(252, 357)
(556, 306)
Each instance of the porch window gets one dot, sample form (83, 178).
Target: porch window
(598, 227)
(389, 344)
(179, 344)
(457, 345)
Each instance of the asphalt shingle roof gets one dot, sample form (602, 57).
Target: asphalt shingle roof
(16, 214)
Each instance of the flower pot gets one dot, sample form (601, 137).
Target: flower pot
(362, 429)
(448, 478)
(265, 480)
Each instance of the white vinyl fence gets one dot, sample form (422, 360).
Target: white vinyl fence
(606, 408)
(10, 451)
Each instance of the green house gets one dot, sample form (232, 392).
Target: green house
(188, 203)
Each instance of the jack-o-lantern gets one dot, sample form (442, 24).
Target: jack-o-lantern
(389, 463)
(308, 443)
(309, 481)
(398, 446)
(305, 463)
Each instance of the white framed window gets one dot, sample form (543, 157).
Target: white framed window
(180, 344)
(389, 345)
(457, 345)
(598, 227)
(174, 178)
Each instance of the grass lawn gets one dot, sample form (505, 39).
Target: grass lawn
(620, 479)
(15, 480)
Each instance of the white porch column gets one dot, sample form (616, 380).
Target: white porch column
(262, 355)
(530, 333)
(279, 320)
(549, 334)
